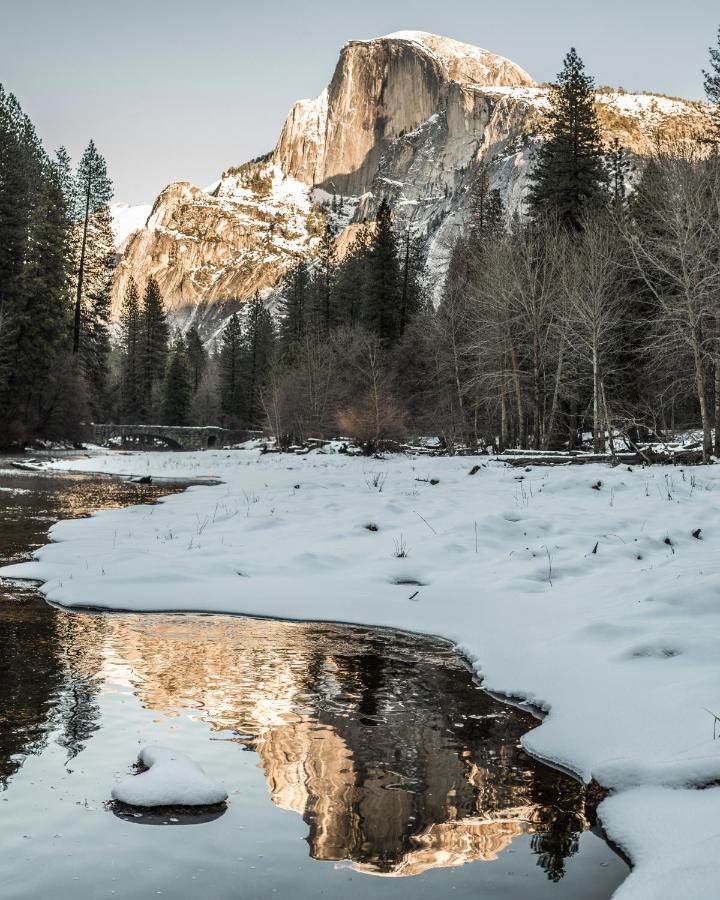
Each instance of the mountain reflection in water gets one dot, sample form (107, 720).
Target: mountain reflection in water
(384, 744)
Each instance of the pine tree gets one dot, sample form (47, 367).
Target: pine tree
(230, 369)
(618, 170)
(45, 313)
(33, 272)
(96, 247)
(350, 280)
(486, 209)
(99, 268)
(712, 90)
(257, 357)
(496, 215)
(154, 342)
(295, 323)
(196, 356)
(177, 388)
(383, 284)
(20, 164)
(63, 168)
(131, 345)
(411, 280)
(569, 177)
(324, 282)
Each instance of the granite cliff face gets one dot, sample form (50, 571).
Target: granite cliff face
(381, 91)
(210, 248)
(408, 117)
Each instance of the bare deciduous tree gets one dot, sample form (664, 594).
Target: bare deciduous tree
(676, 250)
(593, 313)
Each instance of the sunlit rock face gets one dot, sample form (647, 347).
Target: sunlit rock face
(220, 246)
(382, 90)
(408, 117)
(385, 746)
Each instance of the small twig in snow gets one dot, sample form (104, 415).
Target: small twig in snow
(425, 521)
(549, 556)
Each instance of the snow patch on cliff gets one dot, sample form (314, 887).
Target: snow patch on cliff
(126, 220)
(465, 62)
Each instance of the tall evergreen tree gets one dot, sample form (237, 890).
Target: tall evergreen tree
(485, 206)
(177, 388)
(350, 280)
(712, 89)
(230, 361)
(411, 281)
(154, 342)
(99, 268)
(46, 301)
(324, 282)
(295, 322)
(383, 284)
(131, 346)
(21, 160)
(569, 177)
(618, 170)
(96, 246)
(257, 356)
(33, 271)
(197, 357)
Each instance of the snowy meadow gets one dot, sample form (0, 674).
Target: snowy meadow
(589, 591)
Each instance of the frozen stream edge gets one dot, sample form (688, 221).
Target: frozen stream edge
(618, 646)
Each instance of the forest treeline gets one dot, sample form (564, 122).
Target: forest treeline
(595, 313)
(56, 266)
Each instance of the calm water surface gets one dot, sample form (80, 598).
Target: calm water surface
(359, 763)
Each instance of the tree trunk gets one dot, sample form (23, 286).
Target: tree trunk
(518, 397)
(701, 389)
(458, 389)
(717, 384)
(596, 402)
(606, 411)
(81, 269)
(550, 424)
(536, 393)
(504, 424)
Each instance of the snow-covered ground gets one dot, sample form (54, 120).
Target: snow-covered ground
(588, 590)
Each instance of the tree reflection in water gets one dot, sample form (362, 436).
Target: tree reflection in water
(49, 661)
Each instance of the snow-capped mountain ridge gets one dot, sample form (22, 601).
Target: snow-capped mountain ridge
(464, 62)
(408, 117)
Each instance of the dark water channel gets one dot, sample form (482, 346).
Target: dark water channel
(348, 753)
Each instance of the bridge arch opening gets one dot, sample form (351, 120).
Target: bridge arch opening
(212, 440)
(148, 441)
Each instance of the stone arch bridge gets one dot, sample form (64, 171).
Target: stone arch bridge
(176, 437)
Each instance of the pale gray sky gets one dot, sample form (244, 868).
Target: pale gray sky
(181, 89)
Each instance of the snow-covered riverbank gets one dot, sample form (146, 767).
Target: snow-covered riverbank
(587, 590)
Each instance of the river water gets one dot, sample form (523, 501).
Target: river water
(359, 762)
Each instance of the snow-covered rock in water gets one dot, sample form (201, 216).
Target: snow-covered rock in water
(171, 779)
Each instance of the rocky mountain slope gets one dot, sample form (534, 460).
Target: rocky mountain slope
(408, 117)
